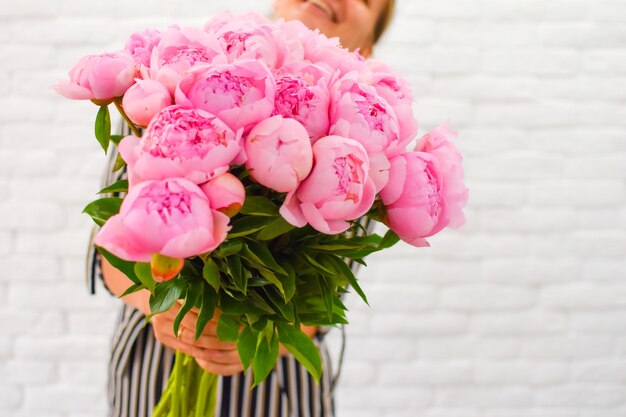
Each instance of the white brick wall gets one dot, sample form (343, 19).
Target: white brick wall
(520, 314)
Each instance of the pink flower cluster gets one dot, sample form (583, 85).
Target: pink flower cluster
(305, 116)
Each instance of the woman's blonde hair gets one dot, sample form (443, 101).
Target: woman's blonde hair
(384, 19)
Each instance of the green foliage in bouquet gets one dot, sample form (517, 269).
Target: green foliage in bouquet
(267, 279)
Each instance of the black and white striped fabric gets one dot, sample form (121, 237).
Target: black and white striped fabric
(140, 365)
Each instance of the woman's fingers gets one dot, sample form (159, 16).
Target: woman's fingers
(219, 369)
(222, 357)
(204, 341)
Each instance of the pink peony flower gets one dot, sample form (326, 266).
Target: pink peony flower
(241, 40)
(337, 189)
(240, 94)
(358, 112)
(226, 193)
(99, 77)
(141, 44)
(243, 20)
(424, 194)
(279, 153)
(144, 100)
(397, 92)
(302, 93)
(179, 142)
(179, 50)
(438, 143)
(171, 217)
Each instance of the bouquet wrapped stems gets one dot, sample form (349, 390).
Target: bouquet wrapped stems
(190, 392)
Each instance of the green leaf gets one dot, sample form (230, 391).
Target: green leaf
(349, 275)
(255, 306)
(279, 305)
(125, 267)
(271, 277)
(259, 325)
(246, 346)
(318, 265)
(209, 300)
(229, 247)
(390, 239)
(166, 294)
(117, 139)
(327, 295)
(119, 163)
(120, 186)
(258, 252)
(227, 328)
(211, 274)
(193, 293)
(144, 273)
(265, 357)
(247, 225)
(102, 209)
(289, 281)
(102, 128)
(259, 206)
(237, 273)
(275, 229)
(302, 347)
(133, 289)
(320, 319)
(336, 246)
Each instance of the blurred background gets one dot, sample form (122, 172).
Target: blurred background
(522, 313)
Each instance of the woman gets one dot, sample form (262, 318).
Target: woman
(142, 356)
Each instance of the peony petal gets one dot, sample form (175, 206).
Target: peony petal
(192, 243)
(319, 223)
(397, 177)
(113, 237)
(72, 90)
(291, 212)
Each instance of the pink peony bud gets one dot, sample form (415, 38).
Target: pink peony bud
(279, 153)
(145, 99)
(164, 268)
(172, 218)
(226, 193)
(338, 188)
(99, 77)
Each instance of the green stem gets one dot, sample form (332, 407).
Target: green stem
(118, 106)
(178, 374)
(186, 385)
(163, 407)
(207, 395)
(211, 394)
(201, 405)
(164, 404)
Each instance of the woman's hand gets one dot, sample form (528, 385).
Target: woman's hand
(221, 358)
(212, 354)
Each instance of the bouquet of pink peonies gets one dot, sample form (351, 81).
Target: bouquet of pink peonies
(259, 152)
